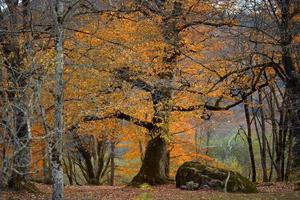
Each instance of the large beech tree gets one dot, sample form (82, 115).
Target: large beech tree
(173, 19)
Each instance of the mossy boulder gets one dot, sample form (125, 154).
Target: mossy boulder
(214, 178)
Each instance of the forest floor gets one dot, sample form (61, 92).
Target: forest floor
(166, 192)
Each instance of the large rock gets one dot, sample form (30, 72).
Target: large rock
(212, 177)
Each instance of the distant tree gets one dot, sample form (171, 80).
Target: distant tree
(271, 27)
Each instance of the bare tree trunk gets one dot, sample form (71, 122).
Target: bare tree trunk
(57, 143)
(249, 140)
(283, 129)
(5, 133)
(112, 164)
(263, 139)
(272, 108)
(47, 157)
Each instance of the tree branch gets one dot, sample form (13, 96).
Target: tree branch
(123, 116)
(216, 107)
(203, 22)
(127, 75)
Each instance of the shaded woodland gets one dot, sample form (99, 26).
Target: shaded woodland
(106, 92)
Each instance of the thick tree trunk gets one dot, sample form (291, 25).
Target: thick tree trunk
(292, 103)
(293, 77)
(153, 170)
(155, 165)
(294, 98)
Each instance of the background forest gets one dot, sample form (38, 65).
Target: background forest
(97, 92)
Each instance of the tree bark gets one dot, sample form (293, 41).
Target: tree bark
(112, 164)
(289, 157)
(153, 170)
(293, 77)
(294, 112)
(56, 142)
(263, 139)
(249, 140)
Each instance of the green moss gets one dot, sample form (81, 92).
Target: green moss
(144, 196)
(145, 186)
(215, 177)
